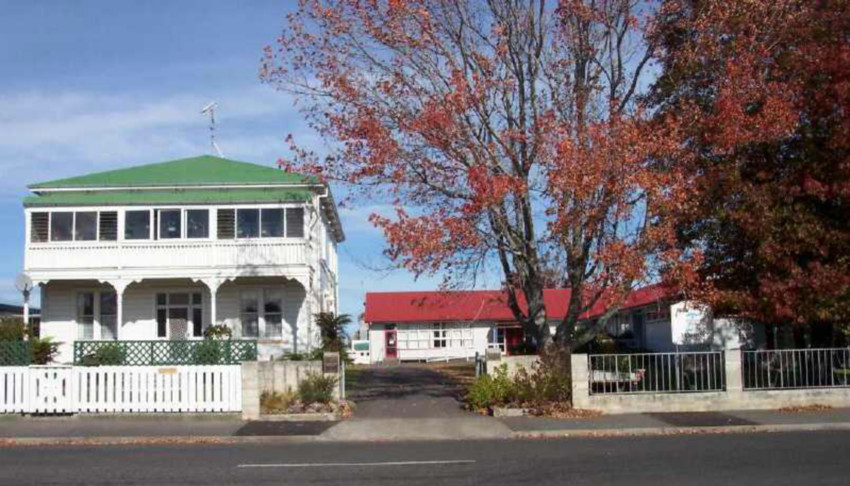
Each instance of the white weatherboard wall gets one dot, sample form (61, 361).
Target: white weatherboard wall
(59, 312)
(377, 343)
(114, 389)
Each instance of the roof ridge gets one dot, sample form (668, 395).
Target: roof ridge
(157, 174)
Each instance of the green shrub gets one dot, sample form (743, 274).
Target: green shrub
(219, 332)
(526, 388)
(44, 350)
(540, 386)
(111, 354)
(12, 329)
(491, 390)
(317, 388)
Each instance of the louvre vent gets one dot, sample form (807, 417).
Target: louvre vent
(295, 222)
(39, 227)
(226, 226)
(108, 227)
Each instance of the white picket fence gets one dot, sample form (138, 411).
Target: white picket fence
(115, 389)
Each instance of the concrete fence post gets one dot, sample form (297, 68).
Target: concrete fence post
(734, 379)
(250, 390)
(581, 389)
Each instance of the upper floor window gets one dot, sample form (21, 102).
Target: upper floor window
(261, 223)
(197, 223)
(170, 226)
(137, 225)
(73, 226)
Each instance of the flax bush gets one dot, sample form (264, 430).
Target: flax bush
(317, 388)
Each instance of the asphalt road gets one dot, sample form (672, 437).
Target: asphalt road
(751, 459)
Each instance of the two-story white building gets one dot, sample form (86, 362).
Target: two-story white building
(162, 251)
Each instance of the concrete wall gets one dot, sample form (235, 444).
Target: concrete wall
(734, 398)
(273, 376)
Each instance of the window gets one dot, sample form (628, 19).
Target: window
(61, 226)
(161, 323)
(440, 335)
(85, 315)
(85, 226)
(108, 315)
(619, 326)
(249, 314)
(247, 223)
(225, 224)
(273, 313)
(108, 226)
(179, 315)
(660, 314)
(39, 227)
(261, 313)
(295, 222)
(197, 322)
(137, 225)
(197, 223)
(169, 224)
(496, 339)
(272, 223)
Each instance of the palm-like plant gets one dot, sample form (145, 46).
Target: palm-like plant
(332, 328)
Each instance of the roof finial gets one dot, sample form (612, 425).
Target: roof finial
(210, 109)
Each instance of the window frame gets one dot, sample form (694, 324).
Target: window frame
(180, 221)
(70, 232)
(123, 224)
(261, 295)
(186, 212)
(191, 306)
(97, 315)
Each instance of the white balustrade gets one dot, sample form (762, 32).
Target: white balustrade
(163, 254)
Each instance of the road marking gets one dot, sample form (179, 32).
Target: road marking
(361, 464)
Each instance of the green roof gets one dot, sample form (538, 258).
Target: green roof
(149, 196)
(195, 171)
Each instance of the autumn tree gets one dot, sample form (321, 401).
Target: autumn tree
(759, 92)
(508, 134)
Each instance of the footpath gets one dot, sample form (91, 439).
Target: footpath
(138, 429)
(397, 403)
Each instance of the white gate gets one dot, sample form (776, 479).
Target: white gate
(50, 389)
(97, 389)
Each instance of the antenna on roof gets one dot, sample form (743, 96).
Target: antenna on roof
(210, 110)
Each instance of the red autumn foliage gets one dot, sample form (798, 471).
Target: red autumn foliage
(760, 94)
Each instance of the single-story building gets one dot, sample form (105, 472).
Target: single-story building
(443, 325)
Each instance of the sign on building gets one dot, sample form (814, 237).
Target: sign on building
(690, 323)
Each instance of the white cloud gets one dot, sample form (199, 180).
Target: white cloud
(45, 136)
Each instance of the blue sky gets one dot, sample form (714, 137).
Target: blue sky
(88, 86)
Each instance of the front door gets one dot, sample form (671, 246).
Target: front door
(391, 343)
(513, 339)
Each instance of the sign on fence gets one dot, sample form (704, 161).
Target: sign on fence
(690, 323)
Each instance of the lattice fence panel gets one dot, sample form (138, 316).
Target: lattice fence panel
(163, 353)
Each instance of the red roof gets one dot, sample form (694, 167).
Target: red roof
(481, 305)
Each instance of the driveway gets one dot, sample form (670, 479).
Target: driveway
(405, 391)
(410, 402)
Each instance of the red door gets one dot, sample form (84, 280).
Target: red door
(513, 338)
(391, 343)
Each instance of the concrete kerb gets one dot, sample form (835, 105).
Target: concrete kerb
(525, 435)
(667, 431)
